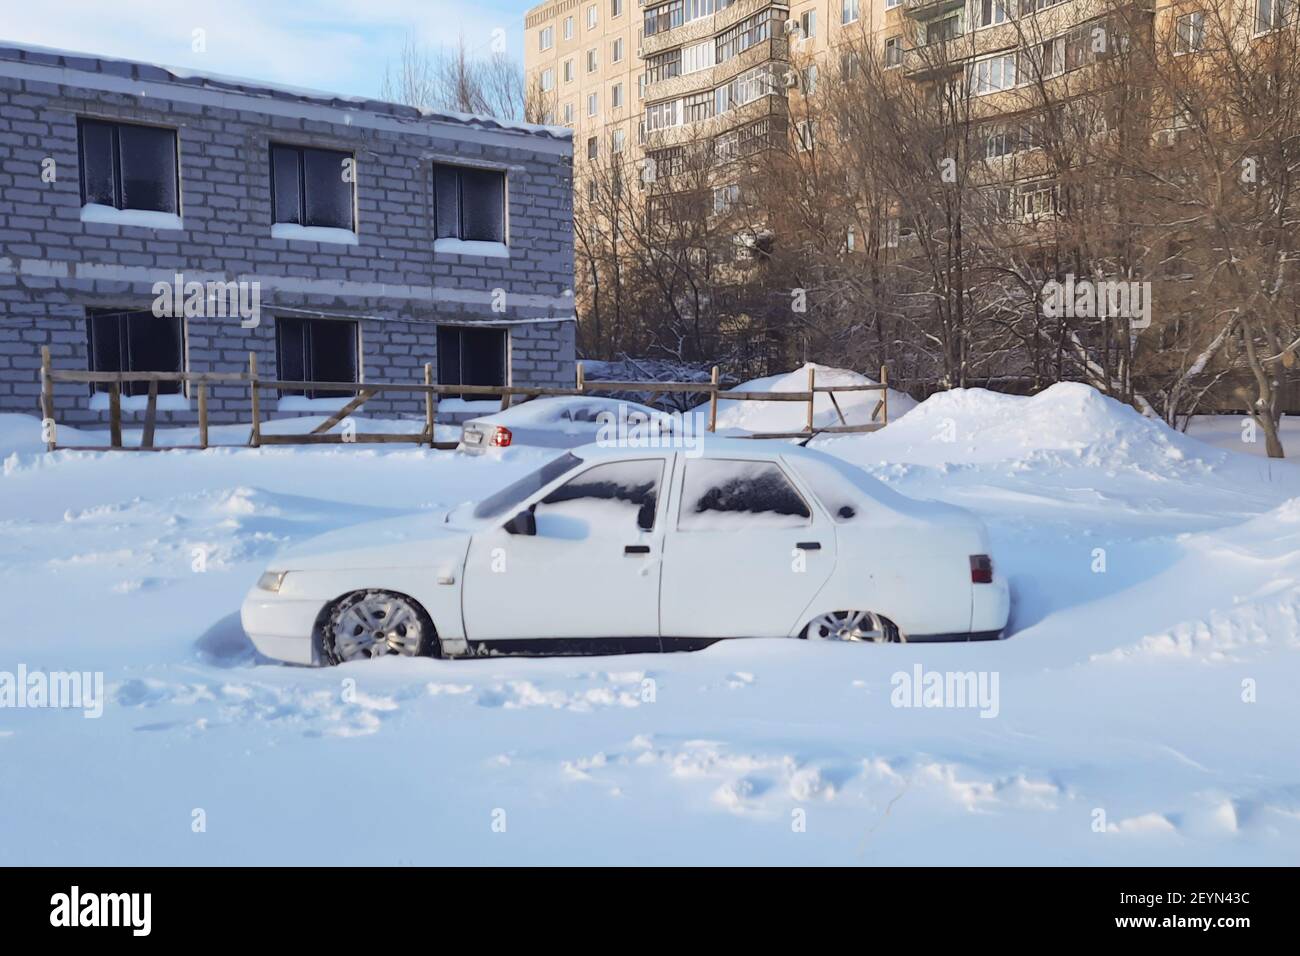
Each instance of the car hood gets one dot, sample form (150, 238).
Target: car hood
(412, 540)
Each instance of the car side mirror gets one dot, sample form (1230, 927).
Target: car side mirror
(523, 523)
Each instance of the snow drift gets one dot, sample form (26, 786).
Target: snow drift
(793, 416)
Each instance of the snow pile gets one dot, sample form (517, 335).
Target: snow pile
(1068, 424)
(793, 416)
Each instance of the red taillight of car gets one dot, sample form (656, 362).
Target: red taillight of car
(981, 569)
(500, 437)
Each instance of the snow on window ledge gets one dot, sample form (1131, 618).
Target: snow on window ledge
(138, 403)
(291, 230)
(146, 218)
(301, 403)
(471, 247)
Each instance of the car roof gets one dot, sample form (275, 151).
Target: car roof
(540, 409)
(711, 446)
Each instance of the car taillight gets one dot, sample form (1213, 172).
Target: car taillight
(981, 569)
(500, 437)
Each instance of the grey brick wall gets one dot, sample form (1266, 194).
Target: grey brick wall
(53, 266)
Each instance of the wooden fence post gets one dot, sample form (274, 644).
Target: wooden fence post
(115, 414)
(714, 378)
(150, 415)
(430, 402)
(47, 400)
(255, 435)
(203, 414)
(812, 396)
(884, 395)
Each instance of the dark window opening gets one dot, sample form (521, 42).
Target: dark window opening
(469, 204)
(312, 187)
(468, 356)
(316, 350)
(135, 342)
(128, 167)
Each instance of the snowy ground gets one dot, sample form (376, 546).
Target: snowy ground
(1120, 690)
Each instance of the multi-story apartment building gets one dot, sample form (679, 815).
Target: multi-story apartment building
(376, 237)
(584, 66)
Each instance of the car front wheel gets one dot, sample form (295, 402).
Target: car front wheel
(368, 624)
(862, 626)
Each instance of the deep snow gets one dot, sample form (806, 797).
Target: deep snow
(1119, 690)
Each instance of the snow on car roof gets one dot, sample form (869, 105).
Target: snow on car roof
(711, 445)
(543, 411)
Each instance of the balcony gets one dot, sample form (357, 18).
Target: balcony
(929, 9)
(773, 48)
(772, 105)
(704, 27)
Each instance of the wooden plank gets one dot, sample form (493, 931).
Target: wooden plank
(849, 388)
(104, 378)
(884, 395)
(643, 386)
(880, 403)
(255, 432)
(47, 401)
(764, 396)
(115, 414)
(409, 438)
(848, 429)
(812, 396)
(150, 416)
(203, 415)
(838, 410)
(430, 404)
(713, 399)
(362, 397)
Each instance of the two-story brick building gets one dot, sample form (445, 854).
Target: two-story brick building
(371, 237)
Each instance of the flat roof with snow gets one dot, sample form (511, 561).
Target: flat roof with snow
(70, 68)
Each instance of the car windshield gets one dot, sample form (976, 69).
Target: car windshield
(513, 494)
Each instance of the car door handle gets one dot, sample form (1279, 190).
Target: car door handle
(636, 549)
(809, 545)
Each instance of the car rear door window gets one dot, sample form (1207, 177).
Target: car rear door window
(618, 495)
(730, 495)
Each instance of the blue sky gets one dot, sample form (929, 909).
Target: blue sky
(334, 45)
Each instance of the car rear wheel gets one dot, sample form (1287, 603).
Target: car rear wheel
(864, 626)
(368, 624)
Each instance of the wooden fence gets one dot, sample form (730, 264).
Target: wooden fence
(198, 383)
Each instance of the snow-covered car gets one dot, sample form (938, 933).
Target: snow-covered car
(560, 422)
(617, 548)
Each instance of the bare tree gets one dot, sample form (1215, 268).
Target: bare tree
(457, 79)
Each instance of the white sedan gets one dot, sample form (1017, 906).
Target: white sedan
(607, 549)
(558, 422)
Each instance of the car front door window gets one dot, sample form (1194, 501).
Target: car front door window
(619, 496)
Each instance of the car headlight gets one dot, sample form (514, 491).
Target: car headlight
(271, 580)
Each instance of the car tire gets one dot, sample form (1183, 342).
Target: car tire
(860, 626)
(355, 627)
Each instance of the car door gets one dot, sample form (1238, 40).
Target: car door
(591, 570)
(746, 551)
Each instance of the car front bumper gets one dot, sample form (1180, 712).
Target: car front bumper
(281, 627)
